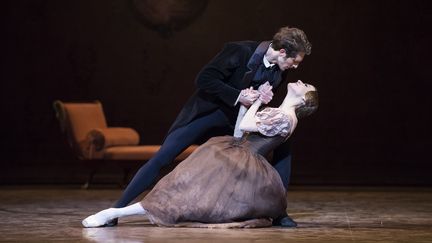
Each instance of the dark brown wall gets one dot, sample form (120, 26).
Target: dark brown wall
(370, 61)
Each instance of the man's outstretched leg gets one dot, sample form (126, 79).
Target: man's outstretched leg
(176, 142)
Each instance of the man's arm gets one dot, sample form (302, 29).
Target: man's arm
(212, 78)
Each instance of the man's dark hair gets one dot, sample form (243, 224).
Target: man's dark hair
(293, 40)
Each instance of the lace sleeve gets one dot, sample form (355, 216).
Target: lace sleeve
(272, 122)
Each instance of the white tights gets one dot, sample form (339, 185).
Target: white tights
(101, 218)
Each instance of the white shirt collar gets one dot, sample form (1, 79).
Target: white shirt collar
(267, 63)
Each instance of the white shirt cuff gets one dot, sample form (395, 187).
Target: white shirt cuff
(237, 100)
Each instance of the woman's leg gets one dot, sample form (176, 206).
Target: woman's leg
(101, 218)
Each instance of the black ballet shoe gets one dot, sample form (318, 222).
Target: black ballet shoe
(285, 221)
(111, 223)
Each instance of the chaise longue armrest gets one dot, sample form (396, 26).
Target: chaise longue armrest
(102, 138)
(120, 144)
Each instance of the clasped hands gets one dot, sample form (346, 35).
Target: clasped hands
(249, 96)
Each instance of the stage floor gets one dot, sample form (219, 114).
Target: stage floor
(324, 214)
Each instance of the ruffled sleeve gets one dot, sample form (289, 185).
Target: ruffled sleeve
(272, 122)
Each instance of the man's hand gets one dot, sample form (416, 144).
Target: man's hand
(266, 93)
(248, 96)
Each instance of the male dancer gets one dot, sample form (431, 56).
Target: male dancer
(222, 85)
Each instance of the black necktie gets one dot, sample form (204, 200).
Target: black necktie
(270, 74)
(264, 74)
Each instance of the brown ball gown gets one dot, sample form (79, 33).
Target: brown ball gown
(227, 182)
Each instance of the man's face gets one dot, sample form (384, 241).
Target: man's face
(285, 62)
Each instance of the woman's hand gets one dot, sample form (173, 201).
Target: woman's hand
(266, 93)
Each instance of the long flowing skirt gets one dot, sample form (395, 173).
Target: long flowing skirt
(220, 183)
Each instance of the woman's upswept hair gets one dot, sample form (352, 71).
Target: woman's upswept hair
(293, 40)
(310, 105)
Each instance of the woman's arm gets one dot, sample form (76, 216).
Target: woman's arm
(248, 123)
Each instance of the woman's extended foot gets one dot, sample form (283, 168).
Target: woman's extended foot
(99, 219)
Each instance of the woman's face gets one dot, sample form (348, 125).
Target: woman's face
(299, 89)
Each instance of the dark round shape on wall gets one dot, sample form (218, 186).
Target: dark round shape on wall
(167, 16)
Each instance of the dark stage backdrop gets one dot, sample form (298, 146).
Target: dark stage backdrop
(370, 61)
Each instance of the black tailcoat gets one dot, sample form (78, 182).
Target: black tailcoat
(221, 80)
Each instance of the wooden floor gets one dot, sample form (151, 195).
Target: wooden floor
(324, 215)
